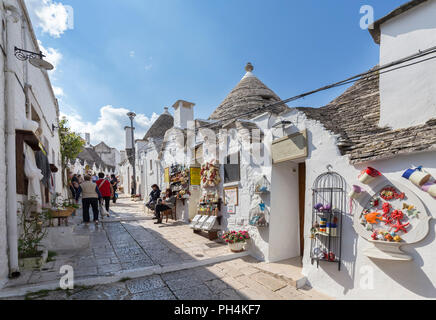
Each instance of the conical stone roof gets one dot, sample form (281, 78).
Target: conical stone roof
(249, 95)
(160, 126)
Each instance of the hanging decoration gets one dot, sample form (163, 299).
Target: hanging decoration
(430, 188)
(355, 193)
(210, 175)
(369, 175)
(417, 176)
(391, 222)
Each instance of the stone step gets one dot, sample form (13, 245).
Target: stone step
(289, 270)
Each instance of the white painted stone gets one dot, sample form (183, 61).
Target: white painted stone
(408, 95)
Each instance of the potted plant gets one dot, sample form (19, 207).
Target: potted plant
(236, 240)
(33, 230)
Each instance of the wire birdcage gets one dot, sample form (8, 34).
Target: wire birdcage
(328, 208)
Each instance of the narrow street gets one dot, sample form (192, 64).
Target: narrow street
(129, 243)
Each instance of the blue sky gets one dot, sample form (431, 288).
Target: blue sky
(142, 55)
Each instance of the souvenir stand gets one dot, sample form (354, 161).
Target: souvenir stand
(179, 183)
(208, 216)
(392, 215)
(329, 205)
(259, 214)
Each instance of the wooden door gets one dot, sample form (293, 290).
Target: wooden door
(302, 201)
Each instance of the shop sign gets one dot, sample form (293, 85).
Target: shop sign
(167, 175)
(231, 209)
(291, 147)
(195, 176)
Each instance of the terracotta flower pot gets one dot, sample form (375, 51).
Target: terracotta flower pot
(237, 247)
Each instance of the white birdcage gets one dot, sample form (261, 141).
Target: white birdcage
(259, 216)
(262, 185)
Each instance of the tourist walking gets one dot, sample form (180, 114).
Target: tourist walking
(114, 183)
(168, 203)
(106, 190)
(90, 197)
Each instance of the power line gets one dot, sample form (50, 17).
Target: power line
(349, 80)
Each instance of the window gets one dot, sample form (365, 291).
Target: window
(232, 172)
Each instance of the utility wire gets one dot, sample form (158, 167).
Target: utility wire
(362, 76)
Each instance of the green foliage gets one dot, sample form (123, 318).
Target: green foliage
(33, 229)
(51, 256)
(71, 143)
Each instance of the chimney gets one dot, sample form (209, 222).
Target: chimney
(88, 139)
(184, 112)
(166, 111)
(128, 131)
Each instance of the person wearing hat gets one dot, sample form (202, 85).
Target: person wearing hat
(154, 196)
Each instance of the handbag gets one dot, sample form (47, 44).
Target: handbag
(103, 211)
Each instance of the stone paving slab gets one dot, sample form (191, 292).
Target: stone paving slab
(166, 262)
(213, 282)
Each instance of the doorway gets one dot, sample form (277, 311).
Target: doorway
(302, 201)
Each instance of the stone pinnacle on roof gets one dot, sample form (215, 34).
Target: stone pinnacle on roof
(249, 67)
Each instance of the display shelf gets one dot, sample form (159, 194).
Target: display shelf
(328, 208)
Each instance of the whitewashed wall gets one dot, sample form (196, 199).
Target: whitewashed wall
(172, 154)
(3, 234)
(40, 95)
(392, 280)
(408, 95)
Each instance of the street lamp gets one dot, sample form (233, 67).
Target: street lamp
(35, 58)
(132, 116)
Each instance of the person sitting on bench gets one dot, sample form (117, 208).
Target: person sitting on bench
(154, 196)
(168, 203)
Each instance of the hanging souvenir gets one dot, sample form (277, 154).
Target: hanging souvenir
(417, 176)
(430, 188)
(369, 175)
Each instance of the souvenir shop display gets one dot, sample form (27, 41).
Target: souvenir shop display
(368, 175)
(258, 216)
(422, 179)
(262, 186)
(210, 175)
(209, 206)
(393, 216)
(329, 205)
(179, 181)
(417, 176)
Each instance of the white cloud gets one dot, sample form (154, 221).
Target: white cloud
(132, 54)
(51, 17)
(110, 126)
(58, 91)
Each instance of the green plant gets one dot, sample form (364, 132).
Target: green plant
(51, 255)
(71, 145)
(33, 228)
(236, 236)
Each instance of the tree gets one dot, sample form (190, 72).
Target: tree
(71, 143)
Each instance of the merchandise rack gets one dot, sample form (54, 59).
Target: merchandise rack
(328, 190)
